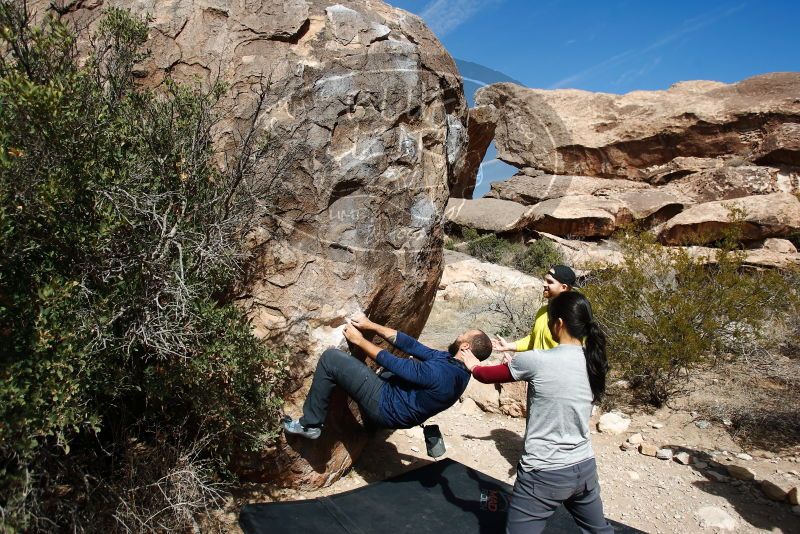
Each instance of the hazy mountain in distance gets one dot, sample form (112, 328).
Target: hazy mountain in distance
(476, 76)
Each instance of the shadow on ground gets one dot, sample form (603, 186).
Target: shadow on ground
(509, 444)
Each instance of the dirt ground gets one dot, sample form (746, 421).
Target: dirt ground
(652, 495)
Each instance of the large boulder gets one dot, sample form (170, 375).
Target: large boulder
(653, 206)
(579, 216)
(366, 114)
(755, 217)
(781, 144)
(726, 182)
(486, 214)
(575, 132)
(526, 189)
(467, 278)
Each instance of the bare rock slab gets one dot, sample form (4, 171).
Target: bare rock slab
(762, 216)
(467, 278)
(531, 190)
(580, 216)
(728, 182)
(486, 214)
(714, 517)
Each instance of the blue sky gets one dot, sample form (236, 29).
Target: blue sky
(617, 46)
(612, 46)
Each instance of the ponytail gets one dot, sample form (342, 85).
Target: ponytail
(576, 313)
(596, 362)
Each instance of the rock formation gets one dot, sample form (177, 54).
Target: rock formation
(590, 163)
(576, 132)
(527, 189)
(487, 214)
(365, 116)
(758, 217)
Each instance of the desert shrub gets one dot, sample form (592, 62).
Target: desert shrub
(538, 257)
(667, 313)
(119, 238)
(517, 313)
(533, 259)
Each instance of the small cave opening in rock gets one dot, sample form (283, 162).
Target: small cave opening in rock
(491, 170)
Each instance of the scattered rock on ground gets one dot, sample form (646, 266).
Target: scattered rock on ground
(613, 423)
(774, 490)
(664, 454)
(740, 472)
(648, 449)
(636, 439)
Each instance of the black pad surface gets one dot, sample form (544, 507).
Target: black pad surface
(445, 497)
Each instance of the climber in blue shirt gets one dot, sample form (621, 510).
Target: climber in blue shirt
(405, 394)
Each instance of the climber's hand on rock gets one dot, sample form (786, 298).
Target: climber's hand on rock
(353, 334)
(363, 323)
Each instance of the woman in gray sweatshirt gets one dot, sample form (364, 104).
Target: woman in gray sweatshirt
(557, 465)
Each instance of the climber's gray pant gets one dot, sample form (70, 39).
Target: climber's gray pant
(537, 495)
(338, 368)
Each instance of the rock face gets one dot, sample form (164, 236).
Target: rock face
(590, 163)
(727, 182)
(580, 216)
(465, 277)
(529, 190)
(369, 119)
(775, 215)
(487, 214)
(619, 136)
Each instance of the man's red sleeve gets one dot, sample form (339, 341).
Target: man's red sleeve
(492, 374)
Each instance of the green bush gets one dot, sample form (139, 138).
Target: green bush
(533, 259)
(119, 239)
(667, 313)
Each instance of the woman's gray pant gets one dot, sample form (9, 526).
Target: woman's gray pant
(537, 495)
(336, 367)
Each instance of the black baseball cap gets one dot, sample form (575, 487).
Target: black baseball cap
(563, 274)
